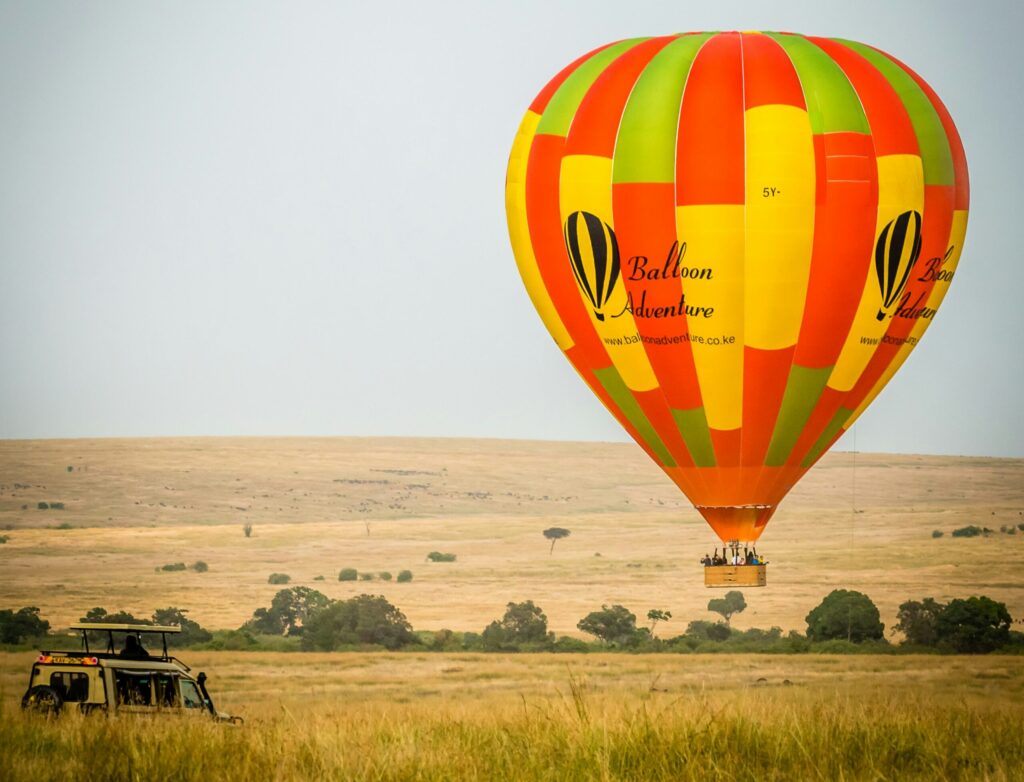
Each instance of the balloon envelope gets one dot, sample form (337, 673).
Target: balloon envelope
(737, 239)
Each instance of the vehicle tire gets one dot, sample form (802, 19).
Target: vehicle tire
(43, 700)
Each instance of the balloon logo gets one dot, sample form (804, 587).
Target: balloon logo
(594, 254)
(895, 256)
(737, 239)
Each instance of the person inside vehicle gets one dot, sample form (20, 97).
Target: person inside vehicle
(133, 648)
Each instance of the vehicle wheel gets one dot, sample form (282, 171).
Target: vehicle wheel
(43, 700)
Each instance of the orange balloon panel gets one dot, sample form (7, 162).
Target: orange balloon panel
(737, 239)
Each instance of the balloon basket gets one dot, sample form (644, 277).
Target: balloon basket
(735, 575)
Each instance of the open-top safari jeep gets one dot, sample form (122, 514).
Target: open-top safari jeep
(130, 681)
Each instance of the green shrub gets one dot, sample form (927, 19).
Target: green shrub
(318, 578)
(199, 566)
(384, 575)
(566, 643)
(64, 525)
(348, 574)
(43, 505)
(439, 556)
(4, 539)
(173, 566)
(1020, 527)
(971, 531)
(937, 533)
(70, 468)
(366, 576)
(247, 530)
(279, 578)
(56, 506)
(404, 576)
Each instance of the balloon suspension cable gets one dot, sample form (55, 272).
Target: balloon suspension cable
(853, 498)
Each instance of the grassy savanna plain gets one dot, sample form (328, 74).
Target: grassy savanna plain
(861, 522)
(316, 505)
(552, 717)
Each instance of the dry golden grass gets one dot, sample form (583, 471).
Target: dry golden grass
(318, 505)
(553, 717)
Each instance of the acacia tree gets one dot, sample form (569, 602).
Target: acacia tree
(732, 603)
(656, 615)
(555, 534)
(289, 611)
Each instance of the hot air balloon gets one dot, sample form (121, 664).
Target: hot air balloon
(737, 239)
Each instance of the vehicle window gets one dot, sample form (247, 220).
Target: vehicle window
(190, 696)
(134, 689)
(166, 693)
(73, 687)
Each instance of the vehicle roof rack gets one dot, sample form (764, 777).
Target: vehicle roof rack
(126, 628)
(116, 627)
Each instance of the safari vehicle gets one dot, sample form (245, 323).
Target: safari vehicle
(130, 681)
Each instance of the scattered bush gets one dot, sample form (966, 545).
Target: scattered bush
(173, 566)
(445, 640)
(199, 566)
(70, 468)
(1020, 527)
(439, 556)
(971, 531)
(43, 506)
(348, 574)
(279, 578)
(63, 525)
(384, 575)
(247, 530)
(366, 576)
(404, 576)
(318, 578)
(4, 538)
(566, 643)
(701, 630)
(937, 533)
(56, 506)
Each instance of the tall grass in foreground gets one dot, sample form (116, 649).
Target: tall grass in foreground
(756, 734)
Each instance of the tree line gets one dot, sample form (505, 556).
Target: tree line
(845, 621)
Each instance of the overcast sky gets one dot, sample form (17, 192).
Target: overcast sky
(288, 218)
